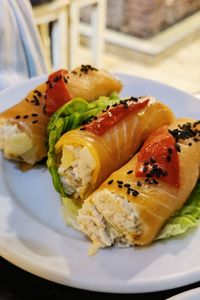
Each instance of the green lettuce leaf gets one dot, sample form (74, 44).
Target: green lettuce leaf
(186, 218)
(70, 209)
(68, 117)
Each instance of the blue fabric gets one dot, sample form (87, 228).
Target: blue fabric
(21, 54)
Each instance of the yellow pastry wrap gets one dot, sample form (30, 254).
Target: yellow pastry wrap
(128, 209)
(85, 159)
(23, 127)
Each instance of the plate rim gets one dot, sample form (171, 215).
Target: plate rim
(184, 295)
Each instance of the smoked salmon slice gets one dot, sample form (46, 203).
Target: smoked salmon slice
(129, 210)
(23, 127)
(86, 156)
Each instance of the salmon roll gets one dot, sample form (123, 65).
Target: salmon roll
(23, 127)
(86, 156)
(135, 202)
(92, 83)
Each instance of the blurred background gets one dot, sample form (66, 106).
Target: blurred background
(155, 39)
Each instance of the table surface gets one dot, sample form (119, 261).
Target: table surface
(17, 284)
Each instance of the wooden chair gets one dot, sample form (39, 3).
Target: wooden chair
(62, 44)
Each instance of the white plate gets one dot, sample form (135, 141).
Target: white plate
(193, 294)
(34, 237)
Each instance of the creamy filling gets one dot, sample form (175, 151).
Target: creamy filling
(76, 169)
(109, 219)
(16, 144)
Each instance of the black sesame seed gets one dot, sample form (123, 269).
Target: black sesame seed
(155, 167)
(189, 144)
(139, 183)
(110, 182)
(34, 115)
(44, 109)
(158, 172)
(149, 175)
(127, 185)
(27, 100)
(134, 99)
(65, 79)
(169, 150)
(129, 172)
(164, 173)
(35, 121)
(145, 169)
(168, 158)
(35, 98)
(125, 104)
(153, 172)
(57, 78)
(152, 160)
(17, 117)
(86, 68)
(196, 123)
(135, 193)
(25, 116)
(184, 131)
(155, 181)
(84, 122)
(178, 148)
(120, 186)
(35, 101)
(120, 181)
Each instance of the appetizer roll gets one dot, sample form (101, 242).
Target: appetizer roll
(134, 203)
(88, 155)
(23, 127)
(92, 83)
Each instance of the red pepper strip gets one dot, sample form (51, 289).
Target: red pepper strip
(57, 91)
(159, 152)
(113, 116)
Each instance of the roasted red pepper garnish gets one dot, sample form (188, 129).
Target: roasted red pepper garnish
(57, 91)
(113, 116)
(158, 159)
